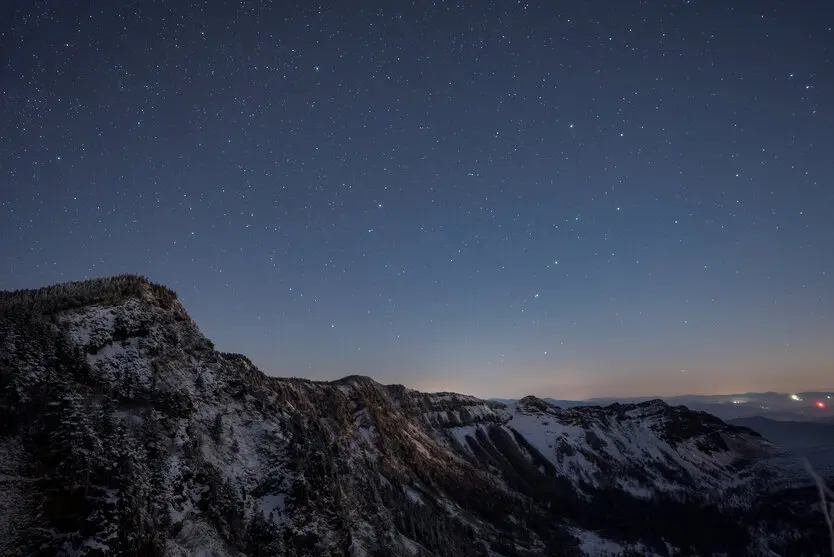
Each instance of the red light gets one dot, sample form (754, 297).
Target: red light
(820, 404)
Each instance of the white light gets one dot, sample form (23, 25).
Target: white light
(796, 397)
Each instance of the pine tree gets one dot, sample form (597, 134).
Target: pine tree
(263, 537)
(217, 428)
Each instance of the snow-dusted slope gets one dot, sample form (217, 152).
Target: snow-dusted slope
(642, 449)
(123, 432)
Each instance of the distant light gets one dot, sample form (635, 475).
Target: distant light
(796, 397)
(820, 404)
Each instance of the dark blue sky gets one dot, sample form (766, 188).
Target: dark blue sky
(569, 199)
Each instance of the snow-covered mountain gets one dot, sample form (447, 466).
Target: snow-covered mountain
(803, 406)
(123, 432)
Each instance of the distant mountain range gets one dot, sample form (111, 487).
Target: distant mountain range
(803, 406)
(794, 422)
(124, 432)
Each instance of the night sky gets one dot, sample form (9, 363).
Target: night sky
(570, 199)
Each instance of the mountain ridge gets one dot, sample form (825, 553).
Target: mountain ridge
(124, 432)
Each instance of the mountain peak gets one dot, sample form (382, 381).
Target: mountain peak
(105, 290)
(534, 402)
(355, 379)
(654, 405)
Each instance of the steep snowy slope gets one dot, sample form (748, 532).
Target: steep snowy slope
(643, 449)
(123, 432)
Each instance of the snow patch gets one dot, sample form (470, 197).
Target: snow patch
(414, 496)
(273, 504)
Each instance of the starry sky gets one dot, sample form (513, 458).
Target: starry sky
(571, 199)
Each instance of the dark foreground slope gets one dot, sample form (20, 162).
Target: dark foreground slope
(812, 441)
(123, 432)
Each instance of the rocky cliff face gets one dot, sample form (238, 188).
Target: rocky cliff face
(123, 432)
